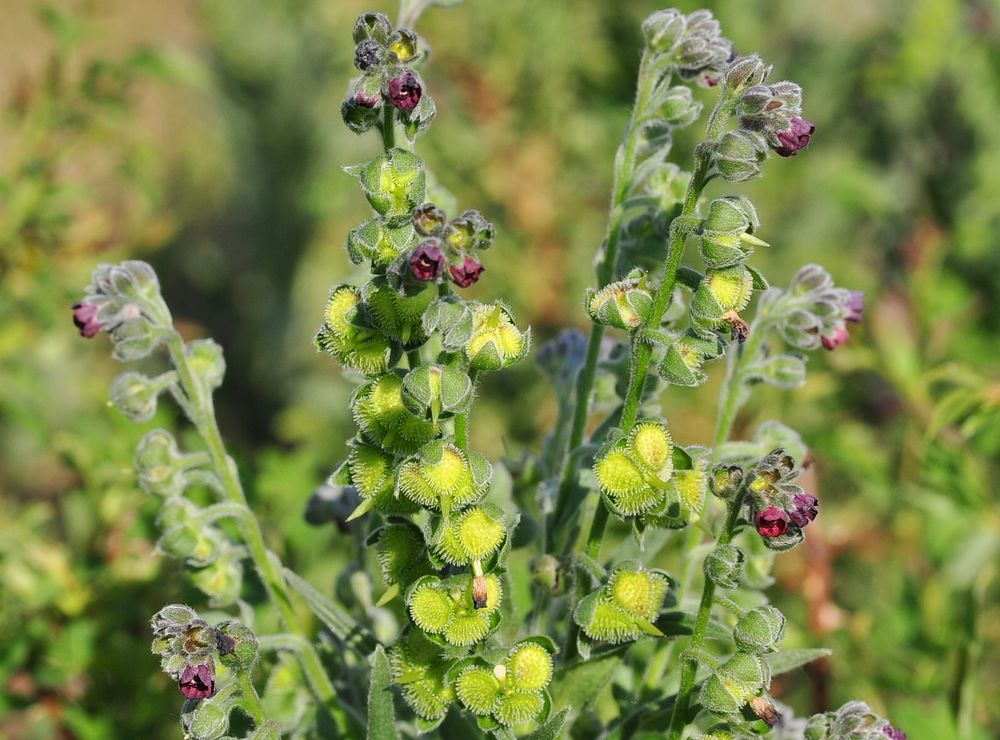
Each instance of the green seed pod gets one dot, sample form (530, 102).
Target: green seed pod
(739, 154)
(237, 646)
(690, 487)
(379, 412)
(639, 592)
(478, 688)
(437, 391)
(624, 304)
(760, 630)
(398, 313)
(371, 472)
(468, 231)
(401, 553)
(602, 620)
(222, 581)
(418, 667)
(135, 395)
(380, 242)
(160, 464)
(495, 341)
(431, 607)
(529, 667)
(518, 707)
(677, 108)
(342, 335)
(726, 480)
(372, 26)
(452, 319)
(736, 682)
(394, 183)
(682, 364)
(441, 476)
(206, 361)
(475, 534)
(651, 445)
(727, 232)
(724, 566)
(663, 29)
(188, 541)
(730, 287)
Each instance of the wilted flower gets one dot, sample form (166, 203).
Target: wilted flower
(771, 522)
(805, 509)
(367, 54)
(197, 682)
(405, 91)
(427, 261)
(795, 137)
(467, 273)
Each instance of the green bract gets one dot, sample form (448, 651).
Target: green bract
(440, 476)
(633, 472)
(512, 691)
(384, 420)
(346, 335)
(495, 342)
(446, 608)
(624, 304)
(394, 184)
(626, 606)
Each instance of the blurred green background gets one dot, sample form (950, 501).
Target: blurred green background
(205, 137)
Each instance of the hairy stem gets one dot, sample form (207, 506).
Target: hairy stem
(625, 164)
(251, 701)
(267, 565)
(388, 126)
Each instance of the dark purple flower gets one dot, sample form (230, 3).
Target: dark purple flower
(367, 54)
(805, 507)
(427, 261)
(892, 733)
(405, 91)
(197, 682)
(85, 318)
(795, 137)
(854, 305)
(467, 273)
(839, 337)
(771, 522)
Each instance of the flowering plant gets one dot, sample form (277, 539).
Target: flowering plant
(494, 617)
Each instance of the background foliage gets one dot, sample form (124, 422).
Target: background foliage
(204, 136)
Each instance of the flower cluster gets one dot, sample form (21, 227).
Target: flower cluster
(693, 42)
(449, 244)
(816, 312)
(780, 508)
(385, 56)
(853, 720)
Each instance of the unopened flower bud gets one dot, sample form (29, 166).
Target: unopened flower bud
(854, 305)
(428, 219)
(207, 361)
(197, 682)
(358, 116)
(469, 231)
(467, 273)
(85, 318)
(663, 29)
(806, 507)
(746, 72)
(739, 154)
(404, 90)
(135, 395)
(495, 341)
(724, 566)
(771, 522)
(795, 137)
(624, 304)
(374, 26)
(237, 646)
(836, 338)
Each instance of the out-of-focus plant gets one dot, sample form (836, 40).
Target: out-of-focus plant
(493, 643)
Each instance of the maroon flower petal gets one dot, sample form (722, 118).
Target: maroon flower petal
(795, 137)
(771, 522)
(197, 682)
(405, 91)
(467, 273)
(427, 261)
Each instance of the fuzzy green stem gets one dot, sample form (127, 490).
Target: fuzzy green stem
(689, 669)
(625, 164)
(388, 126)
(268, 567)
(251, 701)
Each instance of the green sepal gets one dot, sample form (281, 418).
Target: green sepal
(451, 318)
(394, 183)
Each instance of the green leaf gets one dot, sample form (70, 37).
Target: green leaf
(789, 660)
(381, 712)
(578, 683)
(335, 617)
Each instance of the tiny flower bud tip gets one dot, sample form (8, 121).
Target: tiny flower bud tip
(368, 100)
(854, 305)
(840, 336)
(197, 682)
(85, 318)
(771, 522)
(806, 508)
(892, 733)
(427, 261)
(467, 273)
(405, 91)
(795, 137)
(479, 592)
